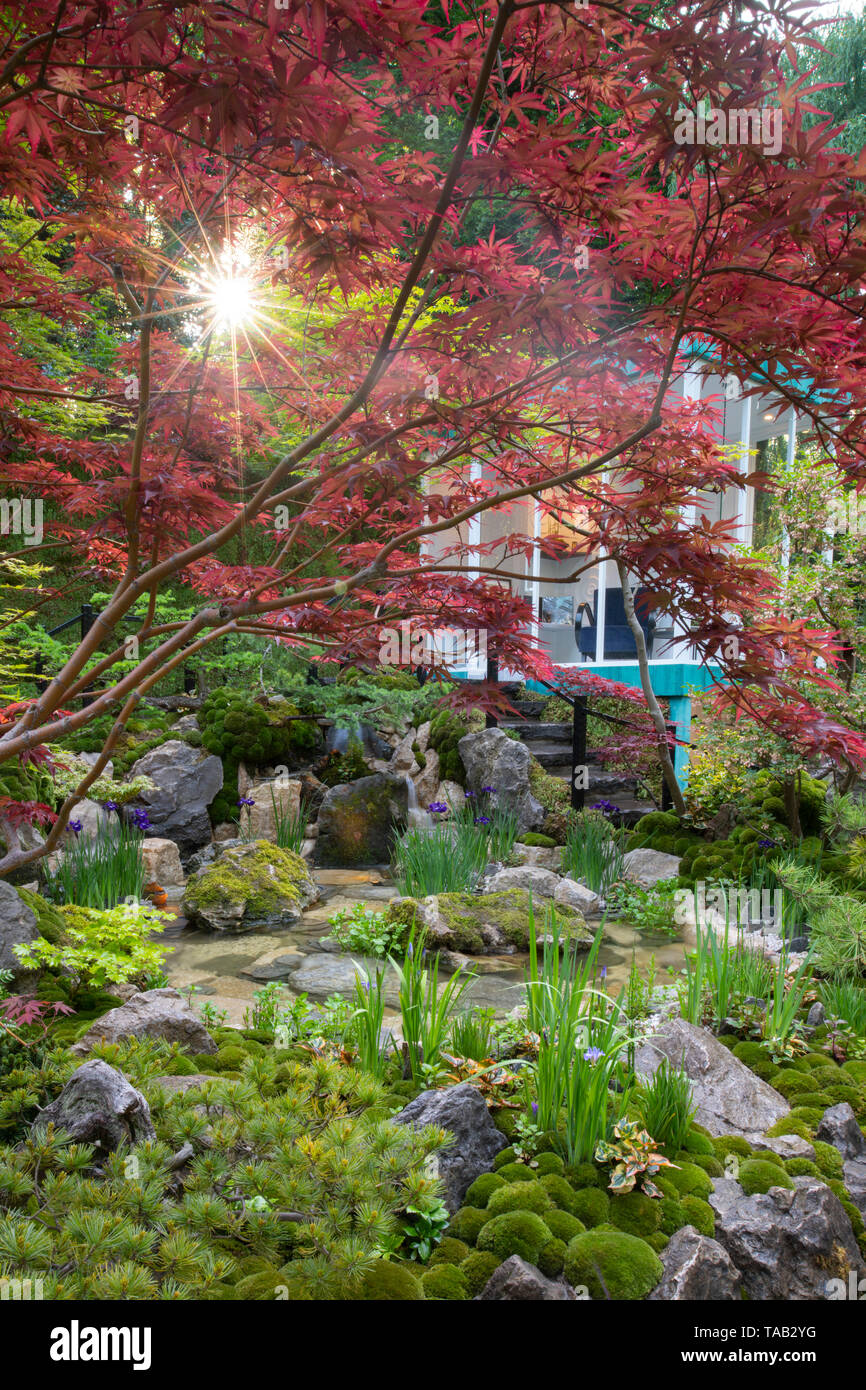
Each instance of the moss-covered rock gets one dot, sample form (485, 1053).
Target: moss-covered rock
(521, 1233)
(612, 1264)
(387, 1282)
(673, 1215)
(250, 886)
(50, 922)
(490, 923)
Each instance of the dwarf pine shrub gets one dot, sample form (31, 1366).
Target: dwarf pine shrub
(293, 1190)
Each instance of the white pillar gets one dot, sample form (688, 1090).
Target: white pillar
(601, 606)
(745, 498)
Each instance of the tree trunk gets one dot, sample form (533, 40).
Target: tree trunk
(656, 715)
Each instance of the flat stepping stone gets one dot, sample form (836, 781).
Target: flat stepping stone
(278, 969)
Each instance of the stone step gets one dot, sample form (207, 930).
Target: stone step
(532, 731)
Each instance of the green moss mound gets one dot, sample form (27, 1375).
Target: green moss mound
(673, 1215)
(552, 1258)
(828, 1159)
(548, 1164)
(444, 1282)
(756, 1175)
(585, 1175)
(449, 1251)
(560, 1191)
(562, 1225)
(515, 1172)
(466, 1224)
(635, 1213)
(515, 1233)
(699, 1214)
(612, 1264)
(50, 922)
(698, 1143)
(481, 1190)
(688, 1177)
(477, 1269)
(519, 1196)
(591, 1206)
(731, 1144)
(802, 1168)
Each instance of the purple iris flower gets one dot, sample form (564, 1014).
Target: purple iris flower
(593, 1054)
(766, 844)
(438, 807)
(606, 806)
(535, 1107)
(489, 790)
(111, 806)
(245, 801)
(140, 818)
(482, 820)
(74, 826)
(468, 793)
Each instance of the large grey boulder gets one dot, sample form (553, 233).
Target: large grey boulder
(516, 1281)
(359, 821)
(647, 867)
(574, 894)
(730, 1098)
(249, 887)
(476, 1140)
(541, 883)
(492, 759)
(696, 1269)
(839, 1127)
(186, 780)
(17, 928)
(154, 1013)
(788, 1244)
(326, 974)
(98, 1106)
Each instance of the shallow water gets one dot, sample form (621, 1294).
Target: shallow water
(213, 963)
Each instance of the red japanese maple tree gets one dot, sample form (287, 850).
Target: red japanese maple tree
(522, 294)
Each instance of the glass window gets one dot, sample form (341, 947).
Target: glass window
(772, 455)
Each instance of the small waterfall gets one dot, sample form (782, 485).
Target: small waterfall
(416, 818)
